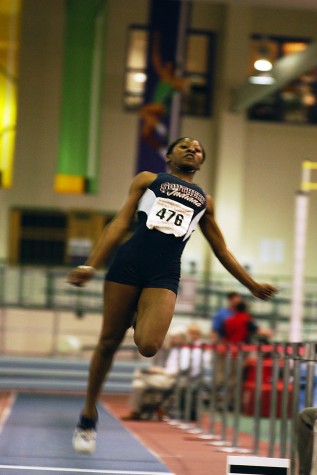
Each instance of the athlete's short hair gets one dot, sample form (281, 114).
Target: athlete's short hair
(173, 144)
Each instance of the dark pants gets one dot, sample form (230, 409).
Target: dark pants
(305, 438)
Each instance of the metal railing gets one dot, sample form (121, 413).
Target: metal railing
(199, 295)
(266, 400)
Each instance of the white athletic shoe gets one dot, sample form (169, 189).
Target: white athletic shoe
(84, 440)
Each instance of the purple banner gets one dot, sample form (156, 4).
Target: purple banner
(161, 84)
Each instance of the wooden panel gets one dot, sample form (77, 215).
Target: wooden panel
(14, 236)
(83, 230)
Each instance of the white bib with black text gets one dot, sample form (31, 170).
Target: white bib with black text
(169, 217)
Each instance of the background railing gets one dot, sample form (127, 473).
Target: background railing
(38, 300)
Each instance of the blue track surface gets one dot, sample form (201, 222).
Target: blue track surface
(37, 437)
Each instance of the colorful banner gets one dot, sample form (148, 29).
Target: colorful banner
(78, 159)
(10, 36)
(163, 81)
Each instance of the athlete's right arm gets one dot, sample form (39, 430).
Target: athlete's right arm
(114, 232)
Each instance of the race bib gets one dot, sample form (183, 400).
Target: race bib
(169, 217)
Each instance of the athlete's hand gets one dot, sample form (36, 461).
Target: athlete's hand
(264, 291)
(80, 275)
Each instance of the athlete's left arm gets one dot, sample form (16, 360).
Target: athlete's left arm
(214, 236)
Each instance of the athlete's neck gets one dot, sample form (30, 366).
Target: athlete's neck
(185, 175)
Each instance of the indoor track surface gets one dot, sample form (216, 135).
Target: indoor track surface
(36, 439)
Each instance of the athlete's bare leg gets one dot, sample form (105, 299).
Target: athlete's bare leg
(155, 310)
(154, 315)
(120, 303)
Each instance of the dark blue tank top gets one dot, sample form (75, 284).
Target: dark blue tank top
(168, 213)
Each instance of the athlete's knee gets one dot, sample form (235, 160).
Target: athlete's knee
(147, 348)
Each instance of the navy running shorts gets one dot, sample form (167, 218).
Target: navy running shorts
(144, 272)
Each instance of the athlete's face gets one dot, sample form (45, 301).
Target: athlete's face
(187, 155)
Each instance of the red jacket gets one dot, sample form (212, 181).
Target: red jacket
(238, 328)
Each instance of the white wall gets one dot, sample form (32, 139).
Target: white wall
(273, 175)
(272, 153)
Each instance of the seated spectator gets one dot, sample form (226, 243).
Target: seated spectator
(240, 327)
(221, 315)
(194, 354)
(197, 362)
(159, 378)
(305, 422)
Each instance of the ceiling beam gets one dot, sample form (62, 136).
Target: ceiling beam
(284, 71)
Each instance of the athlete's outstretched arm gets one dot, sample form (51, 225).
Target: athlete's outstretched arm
(114, 232)
(216, 240)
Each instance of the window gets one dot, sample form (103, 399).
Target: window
(294, 103)
(198, 71)
(136, 68)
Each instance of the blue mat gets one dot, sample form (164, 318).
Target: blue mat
(37, 437)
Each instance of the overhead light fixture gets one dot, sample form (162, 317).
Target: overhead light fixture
(264, 79)
(263, 64)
